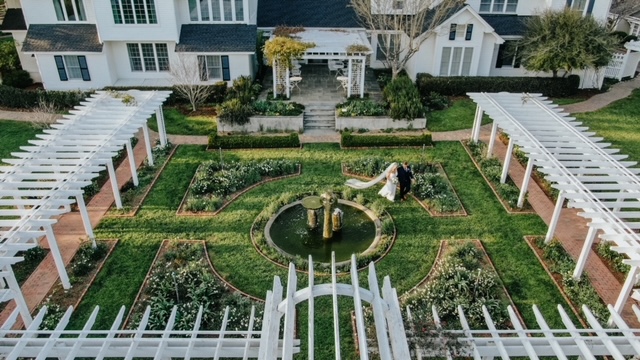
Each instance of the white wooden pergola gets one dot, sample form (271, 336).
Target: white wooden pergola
(330, 44)
(587, 172)
(276, 339)
(45, 178)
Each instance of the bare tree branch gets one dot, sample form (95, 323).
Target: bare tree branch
(621, 9)
(186, 76)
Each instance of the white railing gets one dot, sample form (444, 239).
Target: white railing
(614, 69)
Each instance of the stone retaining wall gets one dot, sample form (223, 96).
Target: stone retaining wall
(265, 123)
(378, 123)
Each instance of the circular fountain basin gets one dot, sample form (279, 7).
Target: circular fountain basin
(289, 233)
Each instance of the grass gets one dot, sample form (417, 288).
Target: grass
(458, 116)
(231, 251)
(180, 124)
(618, 123)
(14, 134)
(567, 101)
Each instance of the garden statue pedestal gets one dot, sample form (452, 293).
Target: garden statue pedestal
(312, 204)
(328, 199)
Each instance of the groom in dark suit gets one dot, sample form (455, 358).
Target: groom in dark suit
(404, 179)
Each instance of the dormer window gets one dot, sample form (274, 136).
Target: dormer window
(216, 10)
(457, 31)
(69, 10)
(498, 6)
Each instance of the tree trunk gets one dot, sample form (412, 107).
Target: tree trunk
(193, 105)
(555, 73)
(394, 71)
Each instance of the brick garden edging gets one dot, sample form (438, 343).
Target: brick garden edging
(529, 240)
(233, 197)
(135, 209)
(500, 199)
(459, 213)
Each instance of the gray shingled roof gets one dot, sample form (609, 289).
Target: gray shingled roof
(513, 25)
(307, 13)
(13, 20)
(62, 38)
(217, 38)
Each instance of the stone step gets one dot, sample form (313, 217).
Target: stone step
(328, 128)
(320, 119)
(320, 111)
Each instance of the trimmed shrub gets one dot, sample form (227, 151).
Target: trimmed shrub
(460, 85)
(234, 112)
(277, 108)
(244, 89)
(350, 140)
(253, 142)
(404, 99)
(435, 101)
(357, 107)
(217, 95)
(17, 78)
(14, 98)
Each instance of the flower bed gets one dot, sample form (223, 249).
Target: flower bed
(560, 267)
(491, 170)
(82, 269)
(214, 185)
(612, 259)
(431, 188)
(363, 259)
(133, 196)
(182, 276)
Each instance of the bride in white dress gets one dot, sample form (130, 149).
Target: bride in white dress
(389, 189)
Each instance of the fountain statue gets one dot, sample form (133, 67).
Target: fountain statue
(336, 219)
(312, 204)
(328, 199)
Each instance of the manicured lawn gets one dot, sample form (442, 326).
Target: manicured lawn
(231, 251)
(458, 116)
(618, 123)
(14, 134)
(179, 124)
(566, 101)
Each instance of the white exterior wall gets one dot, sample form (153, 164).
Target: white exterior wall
(487, 56)
(28, 63)
(166, 30)
(120, 55)
(13, 4)
(423, 60)
(43, 12)
(98, 70)
(525, 7)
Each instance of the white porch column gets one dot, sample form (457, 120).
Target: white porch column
(57, 257)
(21, 303)
(492, 139)
(477, 122)
(584, 253)
(349, 74)
(161, 129)
(85, 219)
(525, 183)
(275, 79)
(507, 162)
(147, 144)
(363, 63)
(114, 184)
(132, 163)
(287, 82)
(554, 218)
(627, 287)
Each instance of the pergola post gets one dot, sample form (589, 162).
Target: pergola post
(114, 184)
(18, 297)
(525, 183)
(477, 122)
(86, 221)
(132, 163)
(349, 74)
(584, 253)
(147, 144)
(274, 70)
(492, 139)
(363, 63)
(507, 162)
(627, 287)
(162, 132)
(554, 218)
(287, 82)
(57, 257)
(19, 207)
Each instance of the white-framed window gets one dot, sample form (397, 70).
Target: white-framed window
(398, 4)
(386, 42)
(456, 61)
(134, 11)
(508, 55)
(148, 57)
(635, 29)
(498, 6)
(458, 31)
(578, 5)
(216, 10)
(72, 67)
(69, 10)
(214, 67)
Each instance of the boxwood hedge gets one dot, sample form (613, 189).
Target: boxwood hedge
(350, 140)
(245, 141)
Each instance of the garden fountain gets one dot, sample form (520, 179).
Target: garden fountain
(295, 230)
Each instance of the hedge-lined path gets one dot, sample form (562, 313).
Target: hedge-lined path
(618, 91)
(69, 231)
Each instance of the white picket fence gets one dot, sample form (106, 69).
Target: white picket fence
(614, 69)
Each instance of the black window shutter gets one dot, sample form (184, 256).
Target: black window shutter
(452, 32)
(500, 55)
(82, 60)
(469, 32)
(590, 7)
(202, 65)
(62, 72)
(226, 74)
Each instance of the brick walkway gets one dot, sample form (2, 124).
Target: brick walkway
(69, 231)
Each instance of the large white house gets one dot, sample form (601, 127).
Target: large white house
(72, 44)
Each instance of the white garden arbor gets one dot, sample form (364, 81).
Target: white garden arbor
(587, 172)
(44, 179)
(331, 44)
(386, 335)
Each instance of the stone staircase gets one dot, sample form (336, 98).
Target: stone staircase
(320, 117)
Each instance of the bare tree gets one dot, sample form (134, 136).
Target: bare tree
(44, 114)
(402, 25)
(621, 9)
(187, 80)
